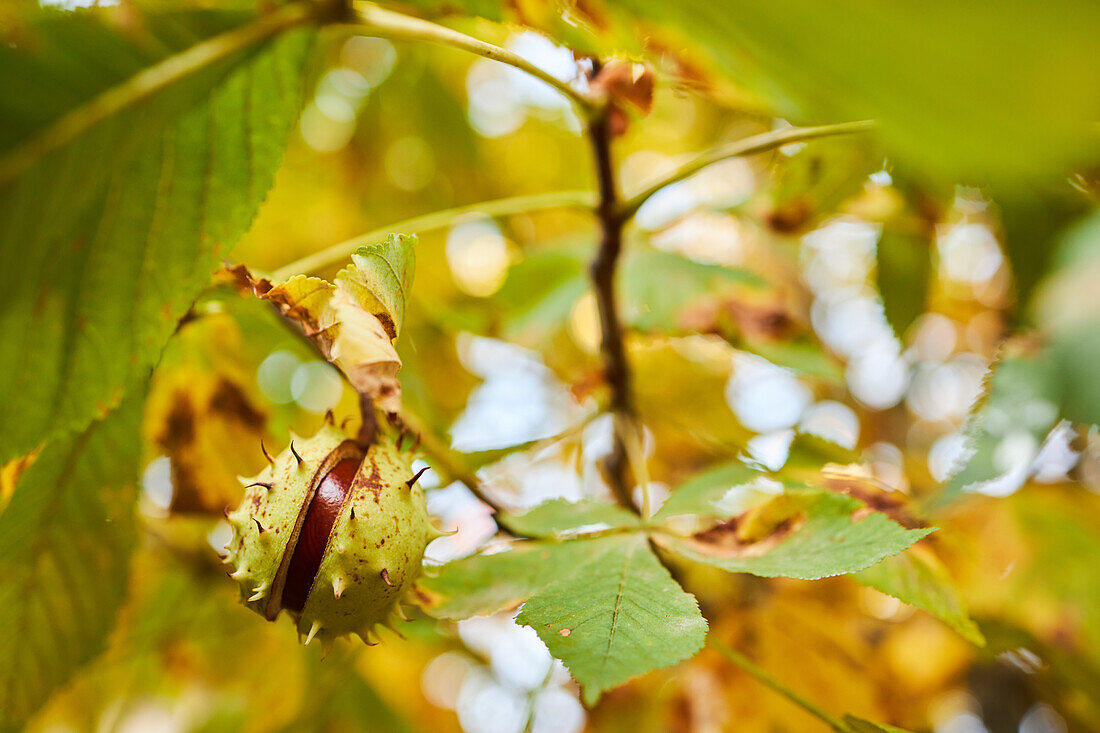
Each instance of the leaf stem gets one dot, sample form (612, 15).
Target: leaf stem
(389, 24)
(739, 148)
(445, 460)
(147, 82)
(436, 220)
(602, 270)
(764, 678)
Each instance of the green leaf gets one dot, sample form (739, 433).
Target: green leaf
(618, 617)
(557, 518)
(703, 493)
(954, 112)
(1076, 351)
(815, 181)
(385, 272)
(1033, 216)
(1062, 537)
(657, 286)
(807, 357)
(903, 270)
(539, 293)
(65, 541)
(1021, 406)
(120, 189)
(916, 577)
(483, 584)
(1066, 306)
(605, 606)
(823, 539)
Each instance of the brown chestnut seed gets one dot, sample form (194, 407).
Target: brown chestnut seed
(316, 530)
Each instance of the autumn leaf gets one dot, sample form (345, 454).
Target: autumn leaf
(355, 320)
(817, 534)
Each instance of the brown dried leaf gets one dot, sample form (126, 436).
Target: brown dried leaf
(345, 331)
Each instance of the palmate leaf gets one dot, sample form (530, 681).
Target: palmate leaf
(65, 541)
(346, 333)
(605, 606)
(129, 164)
(485, 583)
(817, 534)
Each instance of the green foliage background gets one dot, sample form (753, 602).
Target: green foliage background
(143, 145)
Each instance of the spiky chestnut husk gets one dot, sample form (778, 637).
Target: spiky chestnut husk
(332, 534)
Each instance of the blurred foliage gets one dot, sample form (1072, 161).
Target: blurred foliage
(123, 191)
(836, 347)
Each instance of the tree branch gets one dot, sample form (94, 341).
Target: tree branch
(374, 20)
(435, 220)
(746, 146)
(615, 365)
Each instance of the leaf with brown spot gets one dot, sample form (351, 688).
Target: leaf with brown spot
(210, 429)
(337, 320)
(852, 481)
(828, 539)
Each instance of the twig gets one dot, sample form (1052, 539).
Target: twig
(612, 349)
(436, 220)
(746, 146)
(766, 679)
(374, 20)
(148, 82)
